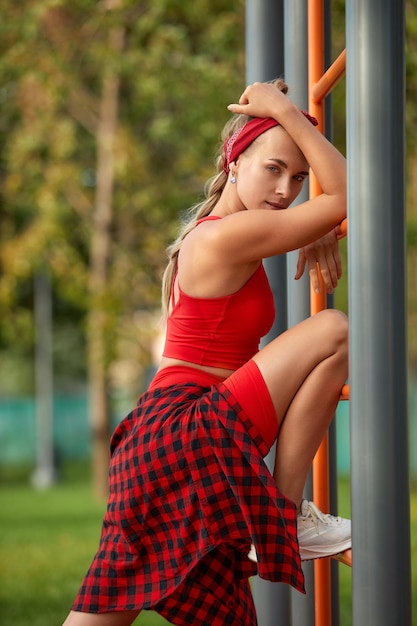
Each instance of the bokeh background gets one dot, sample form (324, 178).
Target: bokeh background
(110, 117)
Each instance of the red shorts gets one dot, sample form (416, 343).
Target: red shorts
(246, 385)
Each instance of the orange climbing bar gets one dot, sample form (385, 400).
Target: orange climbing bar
(344, 557)
(320, 85)
(329, 79)
(315, 71)
(343, 229)
(321, 487)
(344, 395)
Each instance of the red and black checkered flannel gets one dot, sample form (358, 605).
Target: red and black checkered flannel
(189, 493)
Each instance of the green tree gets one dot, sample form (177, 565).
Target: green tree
(111, 111)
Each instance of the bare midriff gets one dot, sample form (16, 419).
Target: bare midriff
(217, 371)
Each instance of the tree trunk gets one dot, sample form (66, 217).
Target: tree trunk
(99, 267)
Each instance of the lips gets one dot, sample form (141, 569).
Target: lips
(276, 206)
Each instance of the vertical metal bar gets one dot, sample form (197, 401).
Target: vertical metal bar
(298, 292)
(265, 61)
(321, 489)
(381, 574)
(44, 474)
(333, 475)
(264, 40)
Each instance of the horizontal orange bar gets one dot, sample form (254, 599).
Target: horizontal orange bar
(344, 557)
(329, 79)
(343, 229)
(344, 394)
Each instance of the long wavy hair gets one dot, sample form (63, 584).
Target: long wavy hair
(212, 192)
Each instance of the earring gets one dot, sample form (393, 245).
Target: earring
(233, 178)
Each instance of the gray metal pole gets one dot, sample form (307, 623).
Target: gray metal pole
(381, 573)
(265, 61)
(264, 40)
(333, 475)
(298, 292)
(44, 474)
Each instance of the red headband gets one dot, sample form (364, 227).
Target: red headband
(246, 134)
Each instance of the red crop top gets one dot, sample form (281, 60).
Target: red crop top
(221, 332)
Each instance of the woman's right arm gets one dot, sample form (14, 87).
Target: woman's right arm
(328, 165)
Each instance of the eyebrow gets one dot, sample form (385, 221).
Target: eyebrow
(285, 166)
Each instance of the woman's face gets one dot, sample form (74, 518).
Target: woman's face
(271, 172)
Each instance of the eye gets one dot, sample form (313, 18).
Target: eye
(299, 178)
(273, 168)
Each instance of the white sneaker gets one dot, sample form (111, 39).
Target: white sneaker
(321, 534)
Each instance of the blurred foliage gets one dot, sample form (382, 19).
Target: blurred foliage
(180, 65)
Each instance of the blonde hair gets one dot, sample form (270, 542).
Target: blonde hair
(212, 192)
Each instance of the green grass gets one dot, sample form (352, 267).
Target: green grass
(48, 538)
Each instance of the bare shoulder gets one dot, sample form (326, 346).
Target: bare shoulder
(226, 235)
(208, 266)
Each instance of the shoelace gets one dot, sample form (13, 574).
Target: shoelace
(317, 515)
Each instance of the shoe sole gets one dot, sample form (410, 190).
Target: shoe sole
(310, 554)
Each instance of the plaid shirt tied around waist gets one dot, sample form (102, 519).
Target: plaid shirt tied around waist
(189, 494)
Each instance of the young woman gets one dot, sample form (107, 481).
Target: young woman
(193, 511)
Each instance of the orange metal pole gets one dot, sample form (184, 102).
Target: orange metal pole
(329, 79)
(343, 229)
(345, 392)
(344, 557)
(322, 577)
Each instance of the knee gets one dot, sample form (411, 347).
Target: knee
(337, 329)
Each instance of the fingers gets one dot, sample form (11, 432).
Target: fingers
(319, 275)
(243, 101)
(329, 272)
(314, 275)
(236, 108)
(311, 262)
(324, 263)
(258, 100)
(242, 105)
(301, 263)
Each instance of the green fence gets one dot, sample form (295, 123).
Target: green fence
(72, 439)
(18, 429)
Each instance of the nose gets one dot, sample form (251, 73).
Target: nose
(283, 187)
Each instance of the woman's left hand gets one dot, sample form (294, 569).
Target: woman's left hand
(321, 256)
(263, 100)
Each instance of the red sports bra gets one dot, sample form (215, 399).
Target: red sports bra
(221, 332)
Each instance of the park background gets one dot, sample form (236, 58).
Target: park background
(109, 121)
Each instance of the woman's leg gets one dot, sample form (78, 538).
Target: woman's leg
(292, 387)
(304, 370)
(116, 618)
